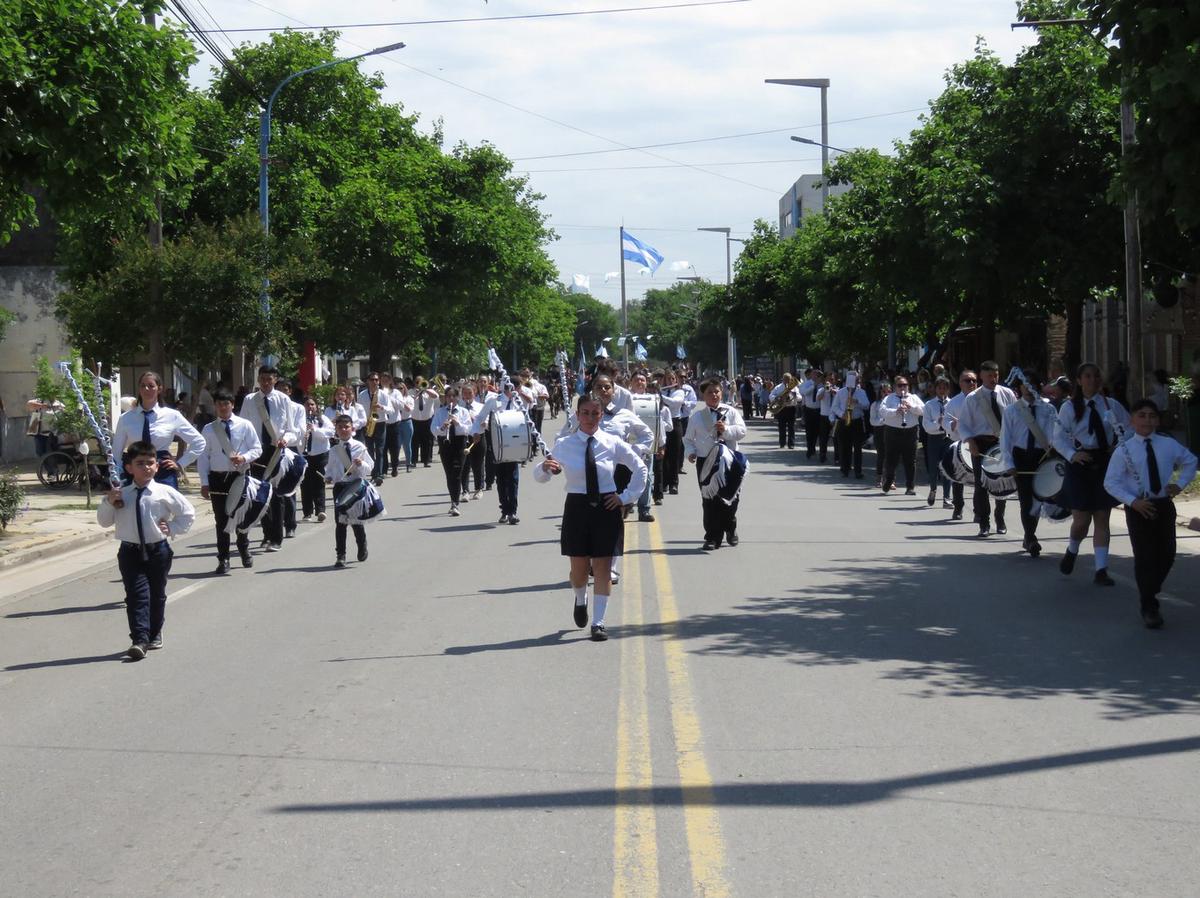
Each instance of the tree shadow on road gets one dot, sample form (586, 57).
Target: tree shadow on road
(966, 625)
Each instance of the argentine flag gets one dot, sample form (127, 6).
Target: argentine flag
(633, 250)
(680, 353)
(640, 352)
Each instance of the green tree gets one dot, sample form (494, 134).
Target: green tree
(594, 320)
(92, 109)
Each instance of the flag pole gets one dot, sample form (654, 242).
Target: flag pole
(624, 306)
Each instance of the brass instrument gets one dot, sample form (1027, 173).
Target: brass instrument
(371, 415)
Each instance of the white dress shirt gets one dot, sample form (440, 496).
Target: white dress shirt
(358, 415)
(877, 413)
(243, 440)
(337, 470)
(382, 399)
(809, 391)
(690, 400)
(674, 398)
(1128, 475)
(825, 399)
(425, 404)
(391, 409)
(1014, 434)
(902, 412)
(160, 502)
(404, 405)
(165, 425)
(1071, 435)
(446, 417)
(953, 410)
(279, 409)
(570, 451)
(790, 400)
(973, 421)
(934, 418)
(701, 433)
(858, 405)
(622, 398)
(317, 440)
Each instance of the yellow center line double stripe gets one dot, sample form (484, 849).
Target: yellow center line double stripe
(635, 842)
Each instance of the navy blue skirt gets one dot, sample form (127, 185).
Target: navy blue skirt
(1083, 486)
(590, 531)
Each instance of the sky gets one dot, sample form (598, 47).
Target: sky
(541, 89)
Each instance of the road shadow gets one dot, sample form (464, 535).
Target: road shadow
(69, 662)
(965, 625)
(794, 794)
(75, 609)
(549, 639)
(535, 587)
(459, 528)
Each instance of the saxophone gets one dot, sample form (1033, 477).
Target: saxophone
(371, 415)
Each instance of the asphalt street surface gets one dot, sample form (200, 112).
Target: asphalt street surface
(862, 699)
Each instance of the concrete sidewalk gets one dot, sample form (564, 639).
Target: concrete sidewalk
(59, 521)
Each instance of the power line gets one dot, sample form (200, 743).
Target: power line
(543, 15)
(215, 51)
(544, 171)
(554, 121)
(677, 143)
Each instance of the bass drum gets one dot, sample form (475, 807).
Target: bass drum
(512, 437)
(1048, 479)
(995, 477)
(648, 409)
(956, 463)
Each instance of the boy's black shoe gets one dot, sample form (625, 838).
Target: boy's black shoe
(136, 652)
(362, 553)
(222, 566)
(1152, 618)
(155, 642)
(1068, 562)
(341, 561)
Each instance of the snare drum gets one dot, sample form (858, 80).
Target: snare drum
(994, 475)
(648, 409)
(512, 437)
(1048, 479)
(956, 463)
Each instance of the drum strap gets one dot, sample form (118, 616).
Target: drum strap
(985, 408)
(264, 414)
(1031, 422)
(222, 438)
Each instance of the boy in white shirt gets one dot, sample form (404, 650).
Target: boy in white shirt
(349, 462)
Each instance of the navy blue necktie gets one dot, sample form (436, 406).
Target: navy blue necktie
(137, 511)
(591, 475)
(1152, 464)
(1096, 427)
(146, 425)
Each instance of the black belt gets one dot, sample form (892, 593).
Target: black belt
(137, 547)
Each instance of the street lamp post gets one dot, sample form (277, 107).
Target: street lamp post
(730, 351)
(823, 84)
(817, 143)
(264, 139)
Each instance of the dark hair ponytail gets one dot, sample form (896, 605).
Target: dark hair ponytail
(1077, 391)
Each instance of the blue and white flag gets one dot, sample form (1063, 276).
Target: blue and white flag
(680, 353)
(621, 340)
(601, 352)
(633, 250)
(640, 353)
(581, 283)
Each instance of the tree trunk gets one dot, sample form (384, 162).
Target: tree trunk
(1074, 336)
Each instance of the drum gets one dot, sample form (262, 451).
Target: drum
(649, 408)
(956, 463)
(356, 502)
(512, 437)
(286, 471)
(245, 503)
(1048, 479)
(994, 475)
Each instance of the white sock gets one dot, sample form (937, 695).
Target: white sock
(1073, 546)
(581, 594)
(599, 606)
(1101, 557)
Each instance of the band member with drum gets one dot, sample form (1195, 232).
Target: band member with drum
(376, 401)
(345, 476)
(508, 473)
(270, 413)
(783, 401)
(967, 381)
(936, 439)
(852, 404)
(1024, 443)
(298, 425)
(639, 387)
(1088, 429)
(230, 445)
(160, 425)
(1146, 473)
(451, 425)
(592, 516)
(902, 420)
(979, 424)
(424, 407)
(318, 431)
(713, 424)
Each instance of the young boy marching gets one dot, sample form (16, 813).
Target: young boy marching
(146, 514)
(349, 462)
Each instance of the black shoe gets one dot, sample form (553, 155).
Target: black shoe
(581, 615)
(910, 492)
(1034, 549)
(673, 490)
(709, 545)
(395, 472)
(513, 519)
(1152, 618)
(222, 566)
(732, 538)
(957, 516)
(247, 559)
(1101, 578)
(929, 501)
(644, 517)
(658, 500)
(155, 642)
(1068, 561)
(378, 481)
(362, 553)
(1001, 527)
(341, 562)
(599, 634)
(136, 652)
(289, 534)
(985, 530)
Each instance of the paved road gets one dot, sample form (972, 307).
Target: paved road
(860, 700)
